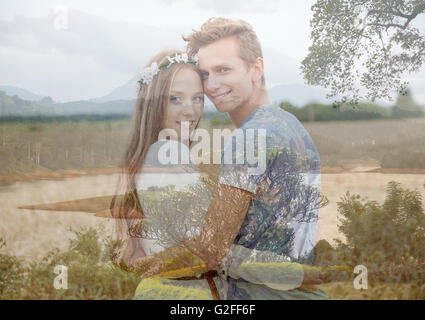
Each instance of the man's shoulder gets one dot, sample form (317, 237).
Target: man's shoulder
(278, 124)
(271, 117)
(282, 129)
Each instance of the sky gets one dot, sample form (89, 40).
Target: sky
(76, 50)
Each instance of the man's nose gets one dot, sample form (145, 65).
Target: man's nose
(211, 84)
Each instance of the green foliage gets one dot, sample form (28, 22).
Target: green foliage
(11, 274)
(91, 274)
(15, 106)
(388, 239)
(364, 44)
(346, 112)
(406, 107)
(86, 243)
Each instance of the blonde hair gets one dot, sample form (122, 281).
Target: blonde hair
(215, 29)
(147, 122)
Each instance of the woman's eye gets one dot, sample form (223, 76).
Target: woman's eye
(198, 99)
(175, 99)
(224, 69)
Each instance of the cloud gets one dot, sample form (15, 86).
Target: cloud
(76, 61)
(280, 68)
(230, 7)
(91, 55)
(117, 45)
(238, 6)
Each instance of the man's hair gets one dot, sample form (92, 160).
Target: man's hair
(215, 29)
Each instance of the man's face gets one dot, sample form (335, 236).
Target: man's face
(227, 80)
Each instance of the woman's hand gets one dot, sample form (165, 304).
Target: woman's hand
(147, 266)
(132, 252)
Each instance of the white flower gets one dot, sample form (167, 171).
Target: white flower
(195, 59)
(177, 58)
(171, 60)
(148, 73)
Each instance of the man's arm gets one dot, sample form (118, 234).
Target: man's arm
(221, 225)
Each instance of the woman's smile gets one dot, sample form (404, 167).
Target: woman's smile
(186, 123)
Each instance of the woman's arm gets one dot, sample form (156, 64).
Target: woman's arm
(221, 225)
(133, 251)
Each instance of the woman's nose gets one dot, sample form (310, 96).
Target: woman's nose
(189, 109)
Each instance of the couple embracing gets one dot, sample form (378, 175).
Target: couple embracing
(251, 235)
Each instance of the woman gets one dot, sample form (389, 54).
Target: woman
(168, 109)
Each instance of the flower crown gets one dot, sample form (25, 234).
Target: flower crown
(149, 72)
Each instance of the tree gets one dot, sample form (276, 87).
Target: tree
(47, 100)
(367, 44)
(405, 107)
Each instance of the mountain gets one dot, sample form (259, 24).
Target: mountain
(296, 94)
(11, 106)
(127, 91)
(15, 106)
(21, 93)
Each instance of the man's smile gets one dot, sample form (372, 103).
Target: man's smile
(221, 96)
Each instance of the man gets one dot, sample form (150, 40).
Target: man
(260, 228)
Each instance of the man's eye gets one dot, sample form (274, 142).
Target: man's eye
(204, 75)
(224, 69)
(175, 99)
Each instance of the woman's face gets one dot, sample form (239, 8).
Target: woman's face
(185, 104)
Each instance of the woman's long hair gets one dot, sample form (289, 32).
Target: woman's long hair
(147, 122)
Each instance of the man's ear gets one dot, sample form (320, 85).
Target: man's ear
(258, 71)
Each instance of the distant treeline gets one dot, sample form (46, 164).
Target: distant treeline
(404, 107)
(15, 109)
(362, 111)
(12, 107)
(63, 118)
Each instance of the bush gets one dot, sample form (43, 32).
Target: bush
(11, 275)
(91, 274)
(388, 239)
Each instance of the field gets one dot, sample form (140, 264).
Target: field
(52, 149)
(47, 163)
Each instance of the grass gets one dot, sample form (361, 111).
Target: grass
(375, 291)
